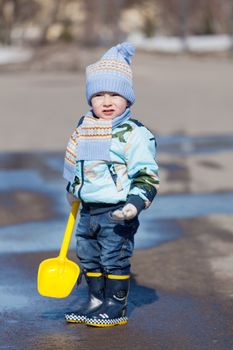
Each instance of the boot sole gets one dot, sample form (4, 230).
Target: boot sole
(75, 319)
(72, 321)
(107, 323)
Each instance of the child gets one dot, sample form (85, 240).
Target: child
(110, 167)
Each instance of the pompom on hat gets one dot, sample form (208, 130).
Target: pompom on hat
(112, 73)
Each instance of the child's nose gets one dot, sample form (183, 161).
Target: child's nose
(107, 100)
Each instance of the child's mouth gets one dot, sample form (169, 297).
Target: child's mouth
(108, 111)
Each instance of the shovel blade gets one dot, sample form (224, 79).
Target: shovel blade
(57, 277)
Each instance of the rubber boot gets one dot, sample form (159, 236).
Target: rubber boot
(95, 282)
(114, 308)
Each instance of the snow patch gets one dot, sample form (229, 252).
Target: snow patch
(201, 44)
(14, 55)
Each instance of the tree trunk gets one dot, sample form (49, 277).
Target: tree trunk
(49, 21)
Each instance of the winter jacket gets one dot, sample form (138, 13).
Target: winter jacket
(131, 176)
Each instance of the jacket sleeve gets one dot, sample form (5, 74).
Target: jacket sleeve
(142, 168)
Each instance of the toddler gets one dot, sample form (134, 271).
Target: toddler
(110, 167)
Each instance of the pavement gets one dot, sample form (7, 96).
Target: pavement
(181, 294)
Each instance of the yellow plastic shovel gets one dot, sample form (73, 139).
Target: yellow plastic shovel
(57, 276)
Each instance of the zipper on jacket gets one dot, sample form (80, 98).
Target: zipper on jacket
(82, 179)
(114, 176)
(112, 172)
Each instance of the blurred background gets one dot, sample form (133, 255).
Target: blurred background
(103, 22)
(183, 63)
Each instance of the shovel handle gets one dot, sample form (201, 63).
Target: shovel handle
(69, 230)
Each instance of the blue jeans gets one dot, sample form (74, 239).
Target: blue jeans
(105, 244)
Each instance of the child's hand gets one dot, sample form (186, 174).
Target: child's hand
(129, 211)
(71, 199)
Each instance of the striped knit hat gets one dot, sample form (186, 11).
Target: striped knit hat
(112, 73)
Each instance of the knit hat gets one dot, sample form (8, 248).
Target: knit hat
(112, 73)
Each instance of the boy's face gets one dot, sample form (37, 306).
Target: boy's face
(108, 105)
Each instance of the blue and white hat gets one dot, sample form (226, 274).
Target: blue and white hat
(112, 73)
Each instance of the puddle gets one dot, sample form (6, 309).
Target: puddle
(188, 145)
(158, 223)
(33, 237)
(154, 232)
(31, 180)
(28, 179)
(47, 236)
(11, 300)
(190, 205)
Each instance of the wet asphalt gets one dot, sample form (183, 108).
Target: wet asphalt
(174, 300)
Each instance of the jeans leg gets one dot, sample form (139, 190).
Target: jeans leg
(87, 247)
(116, 238)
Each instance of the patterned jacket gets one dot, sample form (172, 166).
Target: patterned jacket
(131, 176)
